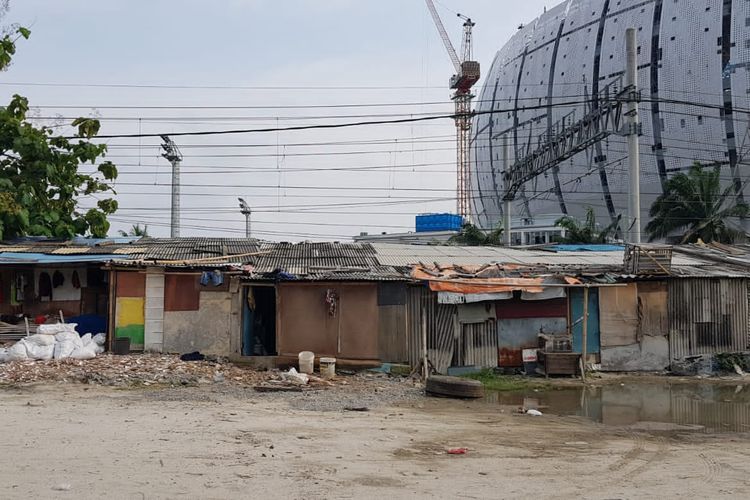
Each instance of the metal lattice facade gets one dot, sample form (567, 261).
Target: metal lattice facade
(689, 52)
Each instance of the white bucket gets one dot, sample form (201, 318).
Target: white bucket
(306, 362)
(327, 367)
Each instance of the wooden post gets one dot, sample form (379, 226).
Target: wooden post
(425, 370)
(584, 336)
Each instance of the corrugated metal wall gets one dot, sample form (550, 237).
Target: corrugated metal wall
(448, 343)
(707, 316)
(477, 345)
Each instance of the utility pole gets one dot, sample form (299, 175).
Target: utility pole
(173, 156)
(507, 203)
(633, 131)
(246, 211)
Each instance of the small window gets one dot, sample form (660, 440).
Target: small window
(700, 120)
(682, 123)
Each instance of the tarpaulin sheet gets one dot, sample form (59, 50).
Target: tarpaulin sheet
(448, 280)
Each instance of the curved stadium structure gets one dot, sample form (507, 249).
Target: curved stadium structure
(694, 78)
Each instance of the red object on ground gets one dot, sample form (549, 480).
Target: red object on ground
(458, 451)
(40, 320)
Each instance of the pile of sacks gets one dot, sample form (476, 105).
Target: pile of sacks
(55, 342)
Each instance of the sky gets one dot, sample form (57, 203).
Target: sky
(169, 66)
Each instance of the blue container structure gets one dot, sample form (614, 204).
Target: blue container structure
(438, 222)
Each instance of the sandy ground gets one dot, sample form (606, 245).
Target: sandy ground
(79, 441)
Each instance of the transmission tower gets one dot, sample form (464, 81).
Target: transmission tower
(467, 74)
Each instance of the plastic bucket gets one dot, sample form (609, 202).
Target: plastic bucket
(306, 362)
(121, 346)
(327, 367)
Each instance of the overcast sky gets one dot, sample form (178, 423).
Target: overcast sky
(286, 55)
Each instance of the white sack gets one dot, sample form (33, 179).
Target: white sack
(3, 354)
(64, 349)
(86, 352)
(18, 351)
(40, 340)
(99, 338)
(71, 337)
(86, 339)
(55, 329)
(40, 352)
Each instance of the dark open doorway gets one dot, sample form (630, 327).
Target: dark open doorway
(259, 321)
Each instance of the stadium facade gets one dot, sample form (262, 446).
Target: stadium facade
(694, 77)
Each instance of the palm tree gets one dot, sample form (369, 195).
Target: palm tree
(586, 232)
(695, 204)
(136, 230)
(471, 235)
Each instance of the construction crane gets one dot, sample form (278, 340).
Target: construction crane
(467, 74)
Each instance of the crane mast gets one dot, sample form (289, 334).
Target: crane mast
(467, 74)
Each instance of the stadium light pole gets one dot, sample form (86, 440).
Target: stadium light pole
(246, 211)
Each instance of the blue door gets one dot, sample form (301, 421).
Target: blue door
(576, 315)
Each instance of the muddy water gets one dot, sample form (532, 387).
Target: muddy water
(701, 407)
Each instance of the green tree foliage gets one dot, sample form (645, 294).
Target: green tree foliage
(136, 230)
(40, 182)
(586, 232)
(471, 235)
(694, 204)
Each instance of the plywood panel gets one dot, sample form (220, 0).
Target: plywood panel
(652, 308)
(181, 292)
(392, 334)
(305, 324)
(618, 315)
(131, 284)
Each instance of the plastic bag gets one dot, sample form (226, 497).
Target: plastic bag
(3, 354)
(86, 339)
(293, 376)
(99, 338)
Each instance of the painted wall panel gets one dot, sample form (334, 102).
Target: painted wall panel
(129, 320)
(576, 314)
(514, 335)
(154, 312)
(181, 292)
(553, 308)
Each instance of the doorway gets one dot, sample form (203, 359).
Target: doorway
(259, 321)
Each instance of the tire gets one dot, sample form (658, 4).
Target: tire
(454, 387)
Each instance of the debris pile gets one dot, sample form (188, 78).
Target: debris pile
(137, 369)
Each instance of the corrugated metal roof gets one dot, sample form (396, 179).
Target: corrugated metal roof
(41, 258)
(197, 248)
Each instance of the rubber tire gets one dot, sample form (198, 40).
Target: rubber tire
(454, 387)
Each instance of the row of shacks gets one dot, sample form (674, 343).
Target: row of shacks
(373, 303)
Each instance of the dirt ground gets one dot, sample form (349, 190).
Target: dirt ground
(221, 441)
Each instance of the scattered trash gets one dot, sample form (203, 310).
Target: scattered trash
(535, 413)
(457, 451)
(294, 376)
(192, 356)
(218, 377)
(739, 370)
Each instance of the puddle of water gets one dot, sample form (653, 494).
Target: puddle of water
(701, 407)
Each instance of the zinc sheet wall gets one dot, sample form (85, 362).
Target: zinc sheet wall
(707, 316)
(477, 345)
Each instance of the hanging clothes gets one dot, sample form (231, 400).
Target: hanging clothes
(75, 280)
(45, 286)
(57, 279)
